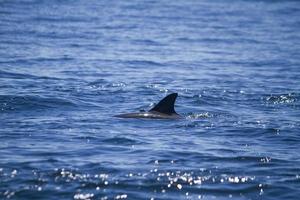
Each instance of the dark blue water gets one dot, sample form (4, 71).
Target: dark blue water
(66, 67)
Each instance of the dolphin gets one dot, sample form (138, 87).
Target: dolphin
(163, 110)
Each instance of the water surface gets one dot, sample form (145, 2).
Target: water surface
(67, 67)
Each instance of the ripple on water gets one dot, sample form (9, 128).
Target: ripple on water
(122, 141)
(30, 102)
(282, 98)
(156, 182)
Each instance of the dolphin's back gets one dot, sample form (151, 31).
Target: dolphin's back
(149, 115)
(163, 110)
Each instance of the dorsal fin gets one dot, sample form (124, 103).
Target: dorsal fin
(166, 105)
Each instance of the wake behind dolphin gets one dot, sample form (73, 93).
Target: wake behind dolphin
(163, 110)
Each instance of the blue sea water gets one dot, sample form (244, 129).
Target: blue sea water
(66, 67)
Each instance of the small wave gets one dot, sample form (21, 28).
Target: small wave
(282, 98)
(12, 75)
(35, 60)
(199, 115)
(4, 74)
(147, 42)
(53, 19)
(143, 63)
(18, 103)
(102, 84)
(121, 141)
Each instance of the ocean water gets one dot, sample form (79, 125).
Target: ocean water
(67, 67)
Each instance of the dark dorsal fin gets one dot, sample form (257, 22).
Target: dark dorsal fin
(166, 105)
